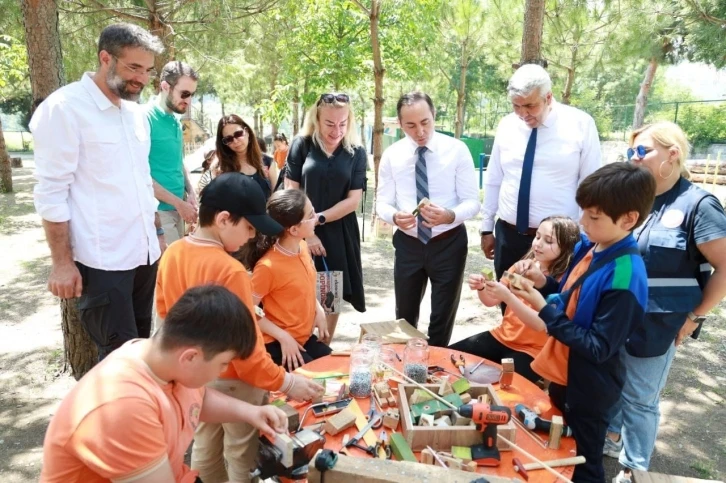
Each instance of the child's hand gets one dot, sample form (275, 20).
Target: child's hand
(321, 323)
(291, 356)
(530, 269)
(531, 295)
(270, 420)
(499, 291)
(476, 281)
(304, 389)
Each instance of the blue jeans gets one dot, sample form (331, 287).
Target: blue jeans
(637, 414)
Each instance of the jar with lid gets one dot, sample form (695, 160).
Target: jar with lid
(374, 342)
(416, 360)
(386, 356)
(361, 367)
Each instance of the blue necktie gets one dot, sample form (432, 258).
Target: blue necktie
(422, 191)
(525, 183)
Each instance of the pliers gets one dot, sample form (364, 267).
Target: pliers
(373, 414)
(382, 443)
(460, 364)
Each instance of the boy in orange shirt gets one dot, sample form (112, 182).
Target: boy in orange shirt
(133, 416)
(231, 208)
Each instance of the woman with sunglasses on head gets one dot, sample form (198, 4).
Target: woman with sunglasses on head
(682, 241)
(327, 163)
(237, 151)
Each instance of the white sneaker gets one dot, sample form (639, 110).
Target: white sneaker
(623, 477)
(612, 448)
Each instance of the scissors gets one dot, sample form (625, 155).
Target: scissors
(374, 416)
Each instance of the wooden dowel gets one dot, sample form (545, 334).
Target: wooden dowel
(535, 459)
(575, 460)
(529, 432)
(436, 396)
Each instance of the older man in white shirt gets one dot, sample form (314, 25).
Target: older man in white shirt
(433, 245)
(95, 192)
(541, 153)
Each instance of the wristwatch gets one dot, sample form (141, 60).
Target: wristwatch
(482, 233)
(699, 319)
(159, 231)
(321, 219)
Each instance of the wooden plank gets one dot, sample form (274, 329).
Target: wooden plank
(340, 422)
(401, 449)
(392, 332)
(650, 477)
(555, 432)
(361, 421)
(366, 470)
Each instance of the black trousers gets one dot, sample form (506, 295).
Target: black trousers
(314, 349)
(116, 306)
(486, 346)
(441, 260)
(589, 426)
(509, 248)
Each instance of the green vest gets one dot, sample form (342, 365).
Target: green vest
(166, 158)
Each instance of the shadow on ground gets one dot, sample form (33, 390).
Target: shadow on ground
(16, 206)
(19, 297)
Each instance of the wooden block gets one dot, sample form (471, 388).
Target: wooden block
(454, 399)
(426, 420)
(340, 422)
(461, 452)
(384, 392)
(470, 466)
(507, 377)
(466, 398)
(443, 421)
(392, 332)
(432, 407)
(445, 387)
(427, 457)
(488, 273)
(555, 432)
(293, 417)
(515, 279)
(461, 386)
(284, 443)
(419, 396)
(368, 470)
(459, 420)
(391, 418)
(401, 448)
(483, 398)
(391, 400)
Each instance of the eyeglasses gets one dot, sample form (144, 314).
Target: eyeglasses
(227, 140)
(186, 94)
(640, 150)
(138, 70)
(331, 98)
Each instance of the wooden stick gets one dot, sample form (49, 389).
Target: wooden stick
(529, 432)
(436, 396)
(437, 457)
(575, 460)
(535, 459)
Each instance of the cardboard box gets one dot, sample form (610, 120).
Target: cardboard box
(443, 438)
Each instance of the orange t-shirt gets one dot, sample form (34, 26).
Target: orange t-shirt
(513, 333)
(551, 363)
(280, 156)
(286, 284)
(120, 422)
(188, 263)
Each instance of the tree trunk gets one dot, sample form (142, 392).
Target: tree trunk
(160, 28)
(532, 33)
(295, 112)
(45, 58)
(221, 101)
(378, 100)
(461, 94)
(363, 121)
(79, 350)
(6, 173)
(261, 124)
(642, 100)
(569, 82)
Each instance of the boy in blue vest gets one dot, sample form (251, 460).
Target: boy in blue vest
(590, 314)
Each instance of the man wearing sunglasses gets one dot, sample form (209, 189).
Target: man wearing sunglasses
(94, 189)
(177, 201)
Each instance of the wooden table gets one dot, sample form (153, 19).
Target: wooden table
(521, 391)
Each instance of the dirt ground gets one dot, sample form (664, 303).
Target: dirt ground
(692, 440)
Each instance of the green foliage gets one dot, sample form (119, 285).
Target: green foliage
(703, 123)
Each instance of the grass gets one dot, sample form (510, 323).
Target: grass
(19, 141)
(705, 470)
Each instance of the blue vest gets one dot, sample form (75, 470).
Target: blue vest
(677, 271)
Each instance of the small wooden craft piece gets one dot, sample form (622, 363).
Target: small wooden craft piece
(443, 421)
(284, 443)
(483, 398)
(427, 457)
(515, 279)
(488, 273)
(401, 449)
(460, 386)
(293, 417)
(466, 398)
(391, 418)
(461, 452)
(459, 420)
(445, 387)
(555, 432)
(426, 420)
(340, 422)
(507, 377)
(421, 204)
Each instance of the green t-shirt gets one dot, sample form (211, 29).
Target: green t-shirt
(166, 158)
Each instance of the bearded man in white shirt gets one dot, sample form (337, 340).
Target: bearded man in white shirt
(541, 153)
(94, 189)
(432, 244)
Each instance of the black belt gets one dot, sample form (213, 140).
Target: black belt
(441, 236)
(529, 232)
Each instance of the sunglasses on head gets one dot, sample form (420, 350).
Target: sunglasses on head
(331, 98)
(227, 140)
(640, 150)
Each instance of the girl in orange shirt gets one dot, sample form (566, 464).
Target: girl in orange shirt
(283, 279)
(552, 250)
(281, 149)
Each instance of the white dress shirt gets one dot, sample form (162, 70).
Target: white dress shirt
(92, 166)
(451, 177)
(567, 151)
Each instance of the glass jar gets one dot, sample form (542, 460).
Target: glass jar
(387, 356)
(416, 360)
(361, 366)
(374, 341)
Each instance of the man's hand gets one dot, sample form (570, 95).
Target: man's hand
(65, 280)
(192, 199)
(187, 211)
(270, 420)
(291, 352)
(530, 270)
(688, 328)
(403, 220)
(304, 389)
(487, 246)
(435, 215)
(530, 295)
(315, 246)
(162, 243)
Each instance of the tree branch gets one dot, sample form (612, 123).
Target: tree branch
(704, 15)
(100, 7)
(362, 7)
